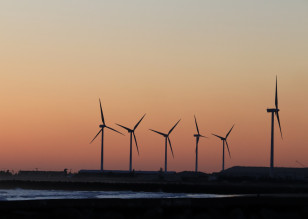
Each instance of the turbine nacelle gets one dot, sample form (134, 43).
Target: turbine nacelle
(160, 133)
(132, 133)
(275, 113)
(221, 138)
(131, 130)
(198, 135)
(224, 139)
(101, 131)
(274, 110)
(102, 126)
(166, 136)
(127, 129)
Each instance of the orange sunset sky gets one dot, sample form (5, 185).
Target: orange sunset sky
(170, 59)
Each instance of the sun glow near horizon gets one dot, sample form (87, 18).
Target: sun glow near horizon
(169, 59)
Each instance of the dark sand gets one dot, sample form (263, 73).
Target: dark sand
(237, 207)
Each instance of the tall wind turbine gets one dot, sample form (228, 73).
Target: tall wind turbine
(274, 111)
(197, 142)
(167, 139)
(102, 126)
(132, 133)
(224, 140)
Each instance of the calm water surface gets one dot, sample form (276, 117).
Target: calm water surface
(27, 194)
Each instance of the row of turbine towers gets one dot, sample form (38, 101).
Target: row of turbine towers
(274, 112)
(165, 135)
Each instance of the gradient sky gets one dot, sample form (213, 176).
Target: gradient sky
(169, 59)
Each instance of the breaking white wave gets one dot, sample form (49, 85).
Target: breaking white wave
(27, 194)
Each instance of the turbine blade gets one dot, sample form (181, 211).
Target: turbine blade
(170, 146)
(228, 149)
(136, 142)
(139, 122)
(102, 115)
(96, 136)
(300, 163)
(128, 129)
(114, 130)
(229, 131)
(217, 136)
(197, 140)
(197, 125)
(277, 115)
(276, 95)
(158, 132)
(203, 136)
(173, 127)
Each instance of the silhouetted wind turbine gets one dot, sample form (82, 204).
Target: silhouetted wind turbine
(224, 140)
(166, 136)
(274, 111)
(132, 133)
(102, 126)
(300, 163)
(197, 142)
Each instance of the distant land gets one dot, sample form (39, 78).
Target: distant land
(235, 180)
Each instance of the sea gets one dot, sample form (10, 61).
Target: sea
(28, 194)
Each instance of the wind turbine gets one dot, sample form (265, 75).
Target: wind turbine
(300, 163)
(102, 126)
(132, 133)
(166, 136)
(274, 111)
(197, 141)
(224, 140)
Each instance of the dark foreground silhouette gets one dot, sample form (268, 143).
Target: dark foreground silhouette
(285, 197)
(237, 207)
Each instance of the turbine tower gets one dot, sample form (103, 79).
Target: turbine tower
(224, 140)
(132, 133)
(197, 142)
(102, 126)
(167, 139)
(274, 111)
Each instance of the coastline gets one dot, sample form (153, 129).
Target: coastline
(130, 184)
(263, 199)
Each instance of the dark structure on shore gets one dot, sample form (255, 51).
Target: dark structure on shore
(26, 173)
(262, 172)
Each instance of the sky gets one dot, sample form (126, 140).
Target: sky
(172, 60)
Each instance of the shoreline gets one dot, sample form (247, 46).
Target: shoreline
(219, 187)
(260, 200)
